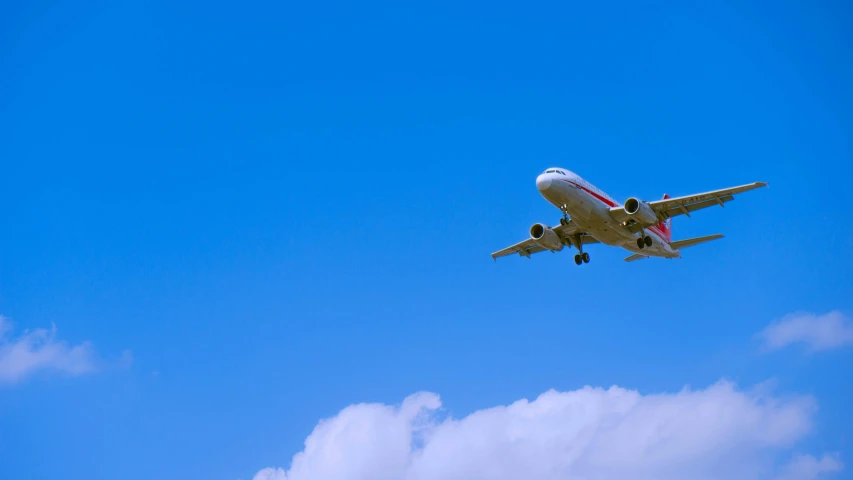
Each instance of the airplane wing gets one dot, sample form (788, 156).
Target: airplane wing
(524, 249)
(529, 246)
(672, 207)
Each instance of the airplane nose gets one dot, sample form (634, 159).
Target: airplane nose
(543, 182)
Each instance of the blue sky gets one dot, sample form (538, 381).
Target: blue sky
(279, 210)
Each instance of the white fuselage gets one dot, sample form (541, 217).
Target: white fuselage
(589, 209)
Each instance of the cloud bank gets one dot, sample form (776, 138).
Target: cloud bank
(817, 332)
(37, 351)
(590, 433)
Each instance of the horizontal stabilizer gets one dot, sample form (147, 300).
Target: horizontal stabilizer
(694, 241)
(635, 256)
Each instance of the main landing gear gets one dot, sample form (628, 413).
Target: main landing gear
(644, 242)
(581, 257)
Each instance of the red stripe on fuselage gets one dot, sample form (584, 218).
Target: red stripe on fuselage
(654, 228)
(607, 202)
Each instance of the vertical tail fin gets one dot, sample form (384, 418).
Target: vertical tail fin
(666, 226)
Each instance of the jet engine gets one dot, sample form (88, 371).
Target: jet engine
(641, 211)
(545, 237)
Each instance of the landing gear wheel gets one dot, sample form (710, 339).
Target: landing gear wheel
(641, 243)
(578, 259)
(648, 241)
(563, 221)
(585, 257)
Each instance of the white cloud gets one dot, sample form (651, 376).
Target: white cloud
(807, 467)
(39, 350)
(590, 433)
(817, 332)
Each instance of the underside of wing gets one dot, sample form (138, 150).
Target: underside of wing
(659, 210)
(525, 249)
(529, 246)
(671, 207)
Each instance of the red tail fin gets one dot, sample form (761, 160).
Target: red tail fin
(666, 226)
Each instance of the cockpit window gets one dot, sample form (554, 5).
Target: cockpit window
(550, 171)
(560, 172)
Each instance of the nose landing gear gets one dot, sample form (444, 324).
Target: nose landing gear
(565, 209)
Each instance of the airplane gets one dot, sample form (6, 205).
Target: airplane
(591, 216)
